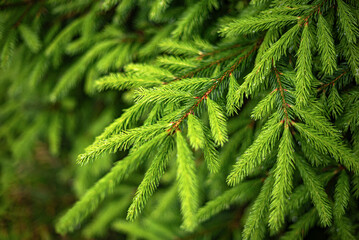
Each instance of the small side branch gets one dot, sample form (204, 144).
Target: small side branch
(285, 105)
(332, 82)
(197, 70)
(217, 81)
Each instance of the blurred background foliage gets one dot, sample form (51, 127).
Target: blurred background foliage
(51, 53)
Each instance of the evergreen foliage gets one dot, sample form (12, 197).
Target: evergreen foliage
(216, 119)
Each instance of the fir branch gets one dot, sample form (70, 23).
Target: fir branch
(214, 52)
(299, 197)
(300, 228)
(151, 180)
(341, 195)
(329, 145)
(316, 189)
(315, 10)
(256, 77)
(187, 183)
(255, 226)
(176, 63)
(257, 152)
(217, 81)
(268, 59)
(269, 39)
(76, 71)
(335, 103)
(121, 141)
(30, 38)
(326, 46)
(126, 120)
(305, 78)
(239, 194)
(350, 52)
(344, 229)
(92, 198)
(120, 81)
(265, 106)
(348, 22)
(134, 229)
(194, 17)
(148, 71)
(210, 152)
(64, 36)
(332, 82)
(193, 72)
(158, 7)
(8, 49)
(195, 132)
(313, 117)
(233, 87)
(256, 24)
(107, 215)
(162, 95)
(190, 84)
(283, 183)
(179, 48)
(217, 121)
(30, 4)
(355, 184)
(285, 106)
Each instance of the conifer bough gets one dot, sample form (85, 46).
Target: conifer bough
(248, 106)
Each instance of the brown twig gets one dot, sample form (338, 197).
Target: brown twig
(285, 105)
(332, 82)
(192, 73)
(315, 9)
(23, 15)
(175, 125)
(13, 5)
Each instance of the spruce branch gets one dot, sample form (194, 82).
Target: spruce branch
(326, 46)
(151, 180)
(283, 175)
(314, 10)
(121, 141)
(213, 63)
(210, 152)
(195, 132)
(329, 145)
(217, 120)
(25, 12)
(187, 183)
(285, 105)
(348, 21)
(255, 24)
(255, 227)
(341, 195)
(300, 228)
(239, 194)
(92, 198)
(257, 152)
(305, 78)
(331, 83)
(214, 52)
(262, 68)
(316, 189)
(265, 106)
(216, 81)
(293, 145)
